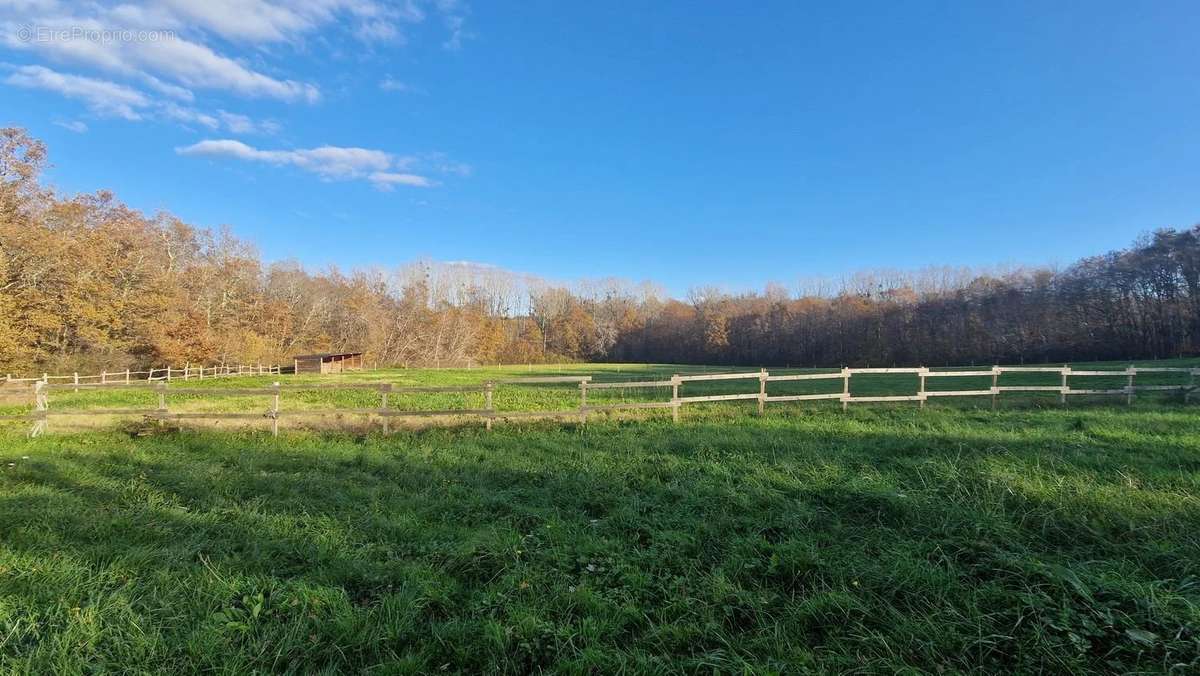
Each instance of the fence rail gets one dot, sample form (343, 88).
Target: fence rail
(42, 388)
(167, 373)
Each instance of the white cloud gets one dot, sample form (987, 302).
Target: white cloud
(259, 21)
(186, 115)
(384, 180)
(391, 84)
(174, 91)
(154, 46)
(454, 17)
(242, 20)
(196, 65)
(241, 124)
(109, 99)
(384, 170)
(325, 161)
(76, 126)
(100, 96)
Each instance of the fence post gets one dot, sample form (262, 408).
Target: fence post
(1062, 394)
(41, 404)
(126, 376)
(583, 413)
(487, 402)
(168, 374)
(104, 377)
(675, 403)
(77, 381)
(995, 384)
(845, 388)
(921, 388)
(762, 390)
(1132, 371)
(383, 404)
(275, 413)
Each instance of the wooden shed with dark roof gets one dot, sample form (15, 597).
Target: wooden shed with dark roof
(328, 362)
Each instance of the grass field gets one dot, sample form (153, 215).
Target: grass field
(884, 539)
(561, 397)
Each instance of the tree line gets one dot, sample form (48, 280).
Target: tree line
(87, 283)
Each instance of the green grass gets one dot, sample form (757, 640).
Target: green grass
(512, 397)
(885, 539)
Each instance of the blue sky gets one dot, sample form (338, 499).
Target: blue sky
(687, 143)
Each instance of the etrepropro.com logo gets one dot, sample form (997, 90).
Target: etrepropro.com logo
(37, 33)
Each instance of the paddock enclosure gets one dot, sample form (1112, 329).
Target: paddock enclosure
(351, 399)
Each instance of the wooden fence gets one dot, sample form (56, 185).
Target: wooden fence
(488, 413)
(167, 373)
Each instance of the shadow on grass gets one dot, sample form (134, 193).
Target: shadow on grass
(877, 541)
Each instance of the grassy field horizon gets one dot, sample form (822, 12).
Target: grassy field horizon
(882, 539)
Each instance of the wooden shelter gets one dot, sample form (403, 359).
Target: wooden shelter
(329, 362)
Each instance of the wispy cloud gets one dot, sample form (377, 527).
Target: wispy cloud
(189, 116)
(242, 124)
(382, 169)
(157, 60)
(110, 99)
(328, 162)
(384, 180)
(391, 84)
(168, 45)
(454, 17)
(100, 96)
(76, 126)
(161, 58)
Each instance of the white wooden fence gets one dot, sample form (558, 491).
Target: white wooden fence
(167, 373)
(488, 413)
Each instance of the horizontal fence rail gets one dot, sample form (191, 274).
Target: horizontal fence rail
(42, 388)
(167, 374)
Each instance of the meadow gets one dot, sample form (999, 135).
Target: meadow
(1035, 537)
(221, 395)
